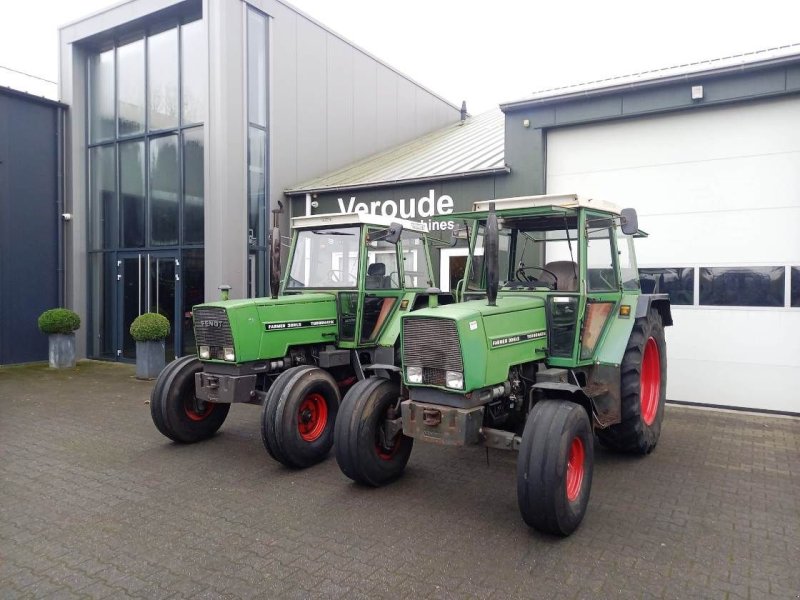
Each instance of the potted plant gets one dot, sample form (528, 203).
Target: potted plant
(149, 330)
(60, 325)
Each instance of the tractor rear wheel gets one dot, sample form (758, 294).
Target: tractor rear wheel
(644, 388)
(554, 467)
(365, 451)
(298, 416)
(176, 411)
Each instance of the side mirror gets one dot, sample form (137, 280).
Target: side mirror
(629, 221)
(391, 234)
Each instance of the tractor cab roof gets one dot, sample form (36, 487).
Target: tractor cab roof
(538, 212)
(355, 218)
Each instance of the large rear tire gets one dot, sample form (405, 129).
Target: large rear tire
(174, 408)
(298, 416)
(555, 466)
(644, 389)
(363, 451)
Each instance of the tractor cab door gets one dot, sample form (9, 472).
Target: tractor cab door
(602, 283)
(383, 287)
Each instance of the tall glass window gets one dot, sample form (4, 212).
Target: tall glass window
(146, 109)
(258, 149)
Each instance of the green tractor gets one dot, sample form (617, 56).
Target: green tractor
(333, 321)
(552, 343)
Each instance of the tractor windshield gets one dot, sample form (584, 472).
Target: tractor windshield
(533, 253)
(325, 258)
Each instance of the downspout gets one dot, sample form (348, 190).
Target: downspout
(60, 270)
(308, 205)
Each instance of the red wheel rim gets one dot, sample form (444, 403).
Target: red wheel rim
(384, 453)
(312, 417)
(190, 407)
(650, 387)
(575, 469)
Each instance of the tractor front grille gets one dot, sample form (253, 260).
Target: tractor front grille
(212, 329)
(432, 344)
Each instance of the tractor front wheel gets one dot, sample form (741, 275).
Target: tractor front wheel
(298, 416)
(644, 389)
(554, 467)
(367, 451)
(176, 411)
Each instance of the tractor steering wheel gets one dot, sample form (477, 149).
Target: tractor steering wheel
(522, 276)
(337, 276)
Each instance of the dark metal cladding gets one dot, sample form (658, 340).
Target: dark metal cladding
(433, 344)
(212, 328)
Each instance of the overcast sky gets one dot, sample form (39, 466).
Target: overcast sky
(484, 52)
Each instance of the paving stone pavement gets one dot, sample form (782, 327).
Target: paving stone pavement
(95, 503)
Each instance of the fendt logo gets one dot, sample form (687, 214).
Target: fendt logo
(210, 323)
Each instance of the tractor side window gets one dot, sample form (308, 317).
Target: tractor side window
(600, 270)
(325, 258)
(415, 261)
(348, 311)
(382, 270)
(627, 261)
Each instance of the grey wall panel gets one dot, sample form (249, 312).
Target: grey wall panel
(28, 225)
(655, 100)
(283, 106)
(365, 104)
(341, 120)
(600, 108)
(732, 88)
(226, 143)
(525, 156)
(387, 106)
(406, 109)
(312, 99)
(793, 78)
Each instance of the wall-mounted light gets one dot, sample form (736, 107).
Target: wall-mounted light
(314, 204)
(66, 216)
(697, 92)
(526, 123)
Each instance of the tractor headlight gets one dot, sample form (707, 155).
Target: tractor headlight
(205, 352)
(454, 379)
(414, 374)
(229, 354)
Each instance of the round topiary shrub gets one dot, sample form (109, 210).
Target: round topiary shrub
(150, 327)
(59, 320)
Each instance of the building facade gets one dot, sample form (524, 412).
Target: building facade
(187, 121)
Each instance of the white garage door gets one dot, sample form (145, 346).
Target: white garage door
(718, 190)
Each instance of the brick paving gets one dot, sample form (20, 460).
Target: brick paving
(95, 503)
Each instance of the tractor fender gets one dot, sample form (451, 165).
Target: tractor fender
(658, 301)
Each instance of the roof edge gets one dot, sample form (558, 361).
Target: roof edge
(655, 81)
(392, 182)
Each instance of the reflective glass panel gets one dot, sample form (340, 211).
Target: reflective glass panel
(194, 77)
(742, 286)
(600, 269)
(382, 270)
(795, 289)
(103, 198)
(193, 280)
(162, 79)
(101, 96)
(256, 205)
(257, 68)
(130, 88)
(131, 193)
(164, 188)
(678, 282)
(415, 263)
(193, 191)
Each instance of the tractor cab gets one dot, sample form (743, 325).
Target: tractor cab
(368, 262)
(576, 255)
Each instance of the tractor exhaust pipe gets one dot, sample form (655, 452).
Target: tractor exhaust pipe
(275, 253)
(491, 255)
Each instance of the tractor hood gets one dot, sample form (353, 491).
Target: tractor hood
(473, 338)
(265, 328)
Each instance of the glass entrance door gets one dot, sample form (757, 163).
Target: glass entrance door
(148, 282)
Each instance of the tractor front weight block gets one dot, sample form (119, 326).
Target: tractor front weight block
(225, 389)
(442, 425)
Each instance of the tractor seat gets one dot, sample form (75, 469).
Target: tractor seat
(376, 276)
(566, 271)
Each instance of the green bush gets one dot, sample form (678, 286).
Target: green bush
(59, 320)
(150, 327)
